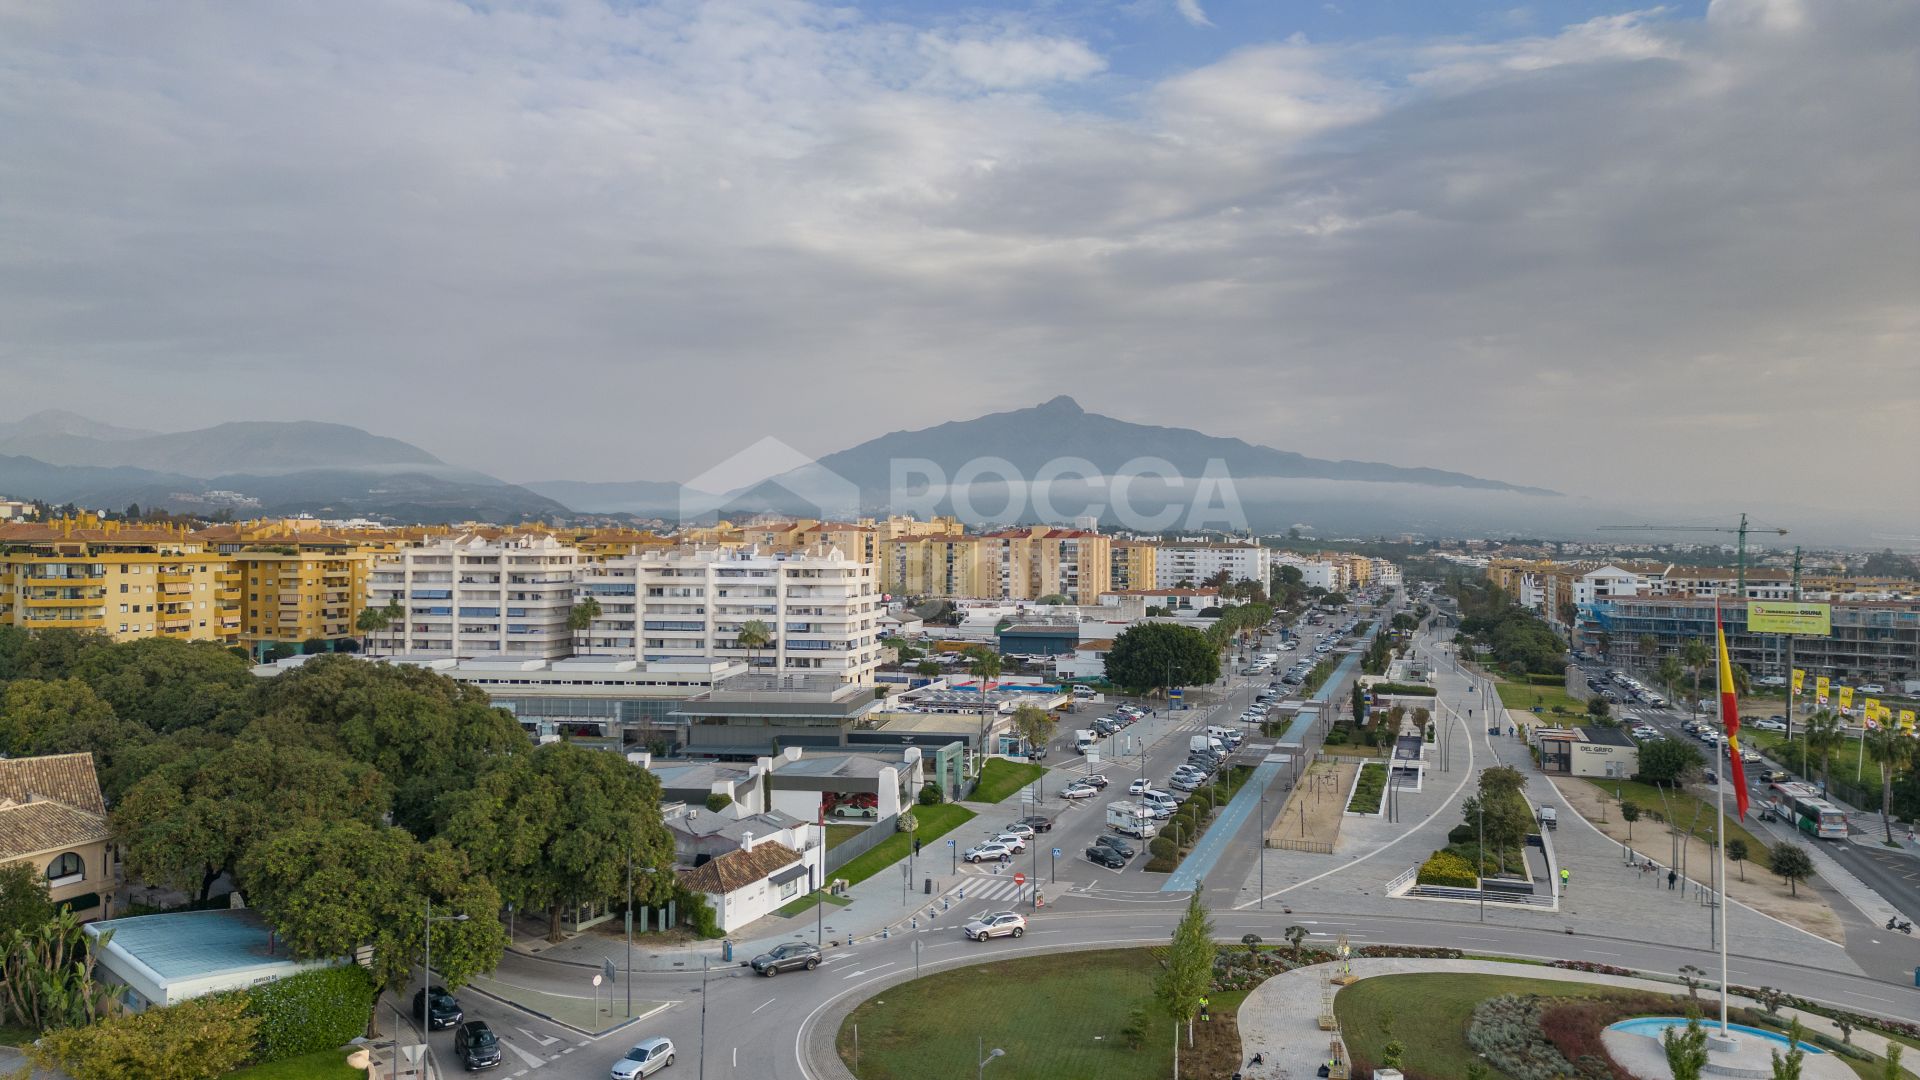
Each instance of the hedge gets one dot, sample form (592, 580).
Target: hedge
(1163, 847)
(1366, 793)
(1403, 689)
(1446, 868)
(314, 1010)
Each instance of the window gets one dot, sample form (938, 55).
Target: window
(67, 865)
(788, 889)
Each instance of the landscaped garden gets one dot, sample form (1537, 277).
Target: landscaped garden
(319, 1065)
(1547, 697)
(1684, 811)
(934, 821)
(1000, 778)
(1368, 789)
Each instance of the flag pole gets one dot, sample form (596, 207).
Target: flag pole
(1720, 807)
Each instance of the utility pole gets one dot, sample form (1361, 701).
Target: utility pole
(1793, 692)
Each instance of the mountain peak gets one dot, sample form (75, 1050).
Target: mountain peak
(1062, 405)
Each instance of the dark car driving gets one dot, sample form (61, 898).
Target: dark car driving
(794, 955)
(476, 1045)
(445, 1012)
(1037, 822)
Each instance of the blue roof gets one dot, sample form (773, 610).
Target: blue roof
(187, 944)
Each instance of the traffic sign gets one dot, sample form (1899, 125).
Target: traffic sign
(1056, 853)
(606, 968)
(1019, 879)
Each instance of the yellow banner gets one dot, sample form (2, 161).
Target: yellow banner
(1820, 688)
(1870, 706)
(1846, 698)
(1906, 719)
(1812, 620)
(1799, 680)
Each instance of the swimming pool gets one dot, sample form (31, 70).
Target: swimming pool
(1653, 1026)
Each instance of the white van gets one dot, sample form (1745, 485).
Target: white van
(1132, 819)
(1225, 736)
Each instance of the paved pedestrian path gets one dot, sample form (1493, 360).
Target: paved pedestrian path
(1279, 1020)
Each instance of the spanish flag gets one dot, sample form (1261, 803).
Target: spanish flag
(1730, 716)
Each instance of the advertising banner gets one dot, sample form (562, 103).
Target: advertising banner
(1794, 617)
(1846, 699)
(1799, 679)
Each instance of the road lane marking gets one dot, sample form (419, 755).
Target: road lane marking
(869, 971)
(763, 1005)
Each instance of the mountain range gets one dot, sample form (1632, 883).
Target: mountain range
(340, 471)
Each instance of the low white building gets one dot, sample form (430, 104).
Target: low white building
(750, 882)
(168, 958)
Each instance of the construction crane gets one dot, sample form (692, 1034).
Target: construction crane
(1742, 530)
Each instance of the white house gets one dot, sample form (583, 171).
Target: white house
(750, 882)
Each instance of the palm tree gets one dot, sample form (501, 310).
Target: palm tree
(1894, 751)
(754, 635)
(1604, 642)
(580, 619)
(1670, 672)
(983, 664)
(1649, 646)
(1694, 654)
(368, 621)
(1821, 735)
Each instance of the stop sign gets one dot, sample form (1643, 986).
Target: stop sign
(1019, 879)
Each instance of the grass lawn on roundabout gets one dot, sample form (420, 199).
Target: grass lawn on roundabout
(1430, 1015)
(319, 1065)
(1000, 779)
(1059, 1017)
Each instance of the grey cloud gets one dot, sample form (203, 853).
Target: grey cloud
(1640, 255)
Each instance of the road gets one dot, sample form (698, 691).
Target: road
(784, 1028)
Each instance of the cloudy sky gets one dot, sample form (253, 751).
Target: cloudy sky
(1580, 245)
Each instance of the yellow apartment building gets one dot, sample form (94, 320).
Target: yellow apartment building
(125, 581)
(1040, 561)
(1134, 565)
(945, 566)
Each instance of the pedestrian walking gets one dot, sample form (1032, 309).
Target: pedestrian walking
(1672, 876)
(1566, 878)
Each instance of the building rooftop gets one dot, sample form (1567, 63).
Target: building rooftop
(63, 778)
(738, 869)
(188, 944)
(847, 764)
(1606, 736)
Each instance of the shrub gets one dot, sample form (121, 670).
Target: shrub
(1163, 847)
(930, 794)
(1446, 868)
(697, 913)
(1161, 865)
(194, 1040)
(717, 801)
(1366, 793)
(311, 1011)
(1462, 834)
(1337, 737)
(1506, 1029)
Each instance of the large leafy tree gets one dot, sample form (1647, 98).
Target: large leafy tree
(23, 898)
(428, 734)
(1666, 761)
(1157, 656)
(65, 716)
(168, 685)
(1034, 725)
(196, 818)
(330, 887)
(558, 825)
(43, 654)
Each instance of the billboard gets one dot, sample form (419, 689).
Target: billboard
(1813, 620)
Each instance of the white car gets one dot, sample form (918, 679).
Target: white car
(1012, 841)
(1873, 688)
(1079, 791)
(1767, 725)
(997, 924)
(644, 1059)
(989, 851)
(1140, 787)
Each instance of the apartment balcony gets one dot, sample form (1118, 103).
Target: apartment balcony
(175, 577)
(94, 600)
(91, 580)
(65, 621)
(226, 595)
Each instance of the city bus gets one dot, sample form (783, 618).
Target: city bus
(1809, 812)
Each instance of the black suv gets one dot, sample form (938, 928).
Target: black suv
(1100, 855)
(792, 956)
(476, 1045)
(1114, 844)
(1037, 822)
(445, 1013)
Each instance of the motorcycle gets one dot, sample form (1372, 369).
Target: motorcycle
(1902, 926)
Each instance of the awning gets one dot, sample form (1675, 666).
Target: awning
(797, 870)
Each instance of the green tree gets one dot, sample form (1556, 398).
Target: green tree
(1686, 1047)
(370, 621)
(1630, 813)
(1647, 646)
(167, 684)
(557, 826)
(1823, 733)
(1893, 750)
(1792, 863)
(1670, 673)
(927, 669)
(1695, 655)
(199, 1039)
(330, 887)
(1597, 707)
(753, 636)
(580, 620)
(1890, 1065)
(194, 819)
(1187, 973)
(1052, 600)
(1788, 1067)
(23, 898)
(1159, 656)
(31, 707)
(46, 976)
(1034, 725)
(1667, 762)
(983, 664)
(1737, 851)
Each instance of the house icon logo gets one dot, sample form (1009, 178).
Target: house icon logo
(769, 476)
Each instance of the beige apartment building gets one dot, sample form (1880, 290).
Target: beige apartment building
(125, 581)
(1135, 564)
(944, 566)
(1041, 561)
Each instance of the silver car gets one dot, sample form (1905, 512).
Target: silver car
(647, 1057)
(998, 924)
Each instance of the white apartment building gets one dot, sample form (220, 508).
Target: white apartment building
(1189, 564)
(821, 606)
(470, 596)
(1315, 574)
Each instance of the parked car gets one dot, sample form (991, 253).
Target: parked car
(1107, 857)
(475, 1045)
(1770, 725)
(1037, 822)
(998, 924)
(1140, 786)
(792, 956)
(645, 1059)
(1185, 783)
(1013, 842)
(1079, 791)
(1019, 828)
(984, 852)
(445, 1012)
(1107, 840)
(1097, 780)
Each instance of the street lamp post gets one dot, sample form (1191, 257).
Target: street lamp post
(986, 1057)
(426, 988)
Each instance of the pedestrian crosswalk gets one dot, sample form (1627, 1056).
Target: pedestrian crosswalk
(989, 887)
